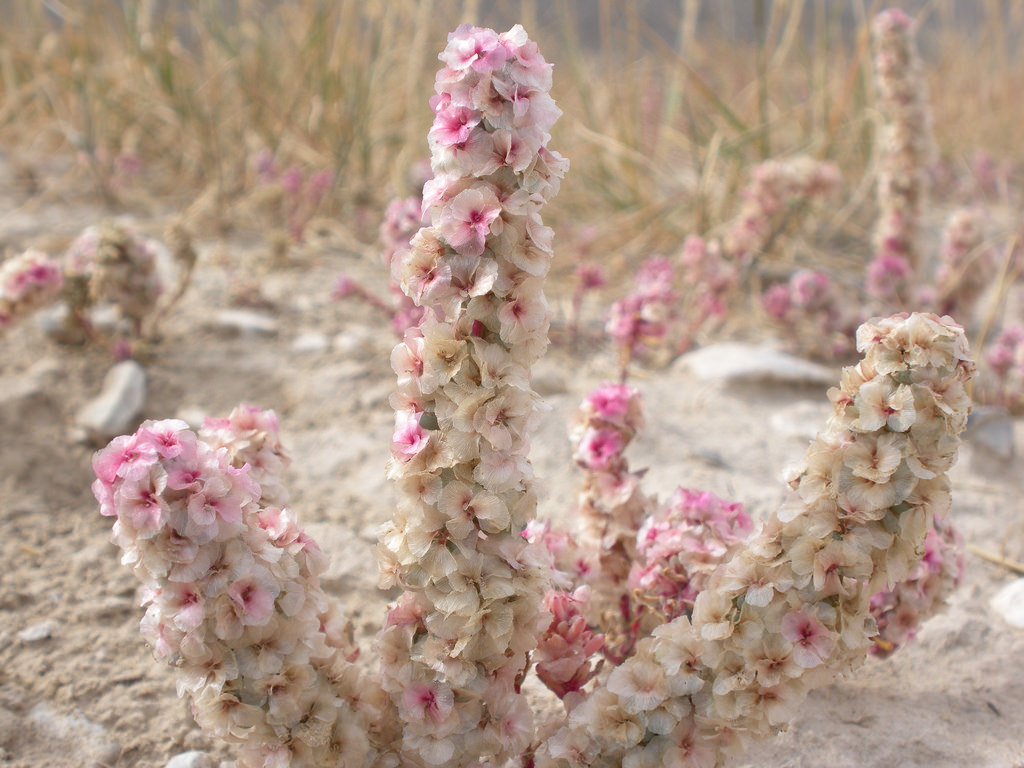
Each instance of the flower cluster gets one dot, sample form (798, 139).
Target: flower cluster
(456, 646)
(791, 609)
(1005, 363)
(641, 320)
(27, 282)
(776, 190)
(563, 656)
(966, 268)
(890, 279)
(809, 305)
(233, 598)
(611, 508)
(680, 547)
(249, 435)
(110, 265)
(709, 277)
(900, 611)
(906, 149)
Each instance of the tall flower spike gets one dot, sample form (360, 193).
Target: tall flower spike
(458, 643)
(906, 147)
(791, 610)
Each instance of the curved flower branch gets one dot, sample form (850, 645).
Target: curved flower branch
(792, 609)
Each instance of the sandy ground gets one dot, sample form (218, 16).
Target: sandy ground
(78, 687)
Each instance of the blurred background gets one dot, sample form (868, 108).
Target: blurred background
(158, 107)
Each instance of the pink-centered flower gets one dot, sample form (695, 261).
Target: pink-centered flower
(253, 596)
(432, 702)
(475, 48)
(812, 642)
(409, 437)
(611, 401)
(599, 448)
(466, 221)
(453, 125)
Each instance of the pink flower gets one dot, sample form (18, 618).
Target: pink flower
(599, 448)
(611, 401)
(122, 458)
(888, 276)
(433, 702)
(292, 180)
(466, 220)
(219, 500)
(164, 437)
(185, 603)
(776, 301)
(254, 598)
(141, 504)
(475, 48)
(453, 125)
(809, 289)
(409, 437)
(812, 642)
(590, 277)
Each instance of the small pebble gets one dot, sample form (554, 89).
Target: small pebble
(116, 409)
(191, 759)
(737, 363)
(41, 631)
(246, 322)
(1008, 602)
(310, 342)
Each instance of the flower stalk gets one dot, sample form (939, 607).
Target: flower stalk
(459, 642)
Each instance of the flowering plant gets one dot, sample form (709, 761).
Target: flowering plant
(725, 651)
(27, 282)
(906, 142)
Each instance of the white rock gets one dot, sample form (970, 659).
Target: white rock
(246, 322)
(90, 741)
(310, 342)
(1008, 602)
(105, 317)
(51, 319)
(735, 363)
(116, 410)
(41, 631)
(191, 759)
